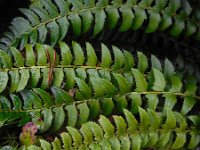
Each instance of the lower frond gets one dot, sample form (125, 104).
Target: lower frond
(150, 130)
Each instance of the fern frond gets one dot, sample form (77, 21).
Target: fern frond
(58, 17)
(18, 70)
(150, 130)
(98, 96)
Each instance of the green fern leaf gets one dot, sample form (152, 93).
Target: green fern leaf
(121, 125)
(51, 8)
(136, 141)
(194, 140)
(33, 37)
(72, 111)
(170, 101)
(24, 76)
(178, 26)
(63, 6)
(91, 56)
(45, 78)
(78, 54)
(5, 60)
(33, 147)
(41, 55)
(155, 120)
(5, 104)
(76, 136)
(87, 20)
(54, 30)
(128, 60)
(16, 102)
(113, 17)
(61, 96)
(100, 17)
(154, 21)
(21, 25)
(48, 119)
(46, 98)
(119, 58)
(160, 83)
(188, 104)
(144, 119)
(101, 3)
(56, 144)
(3, 80)
(70, 75)
(152, 101)
(168, 68)
(58, 76)
(76, 4)
(107, 127)
(66, 139)
(76, 23)
(141, 83)
(176, 84)
(142, 62)
(139, 17)
(66, 54)
(105, 57)
(96, 130)
(179, 141)
(127, 16)
(170, 121)
(14, 75)
(155, 63)
(42, 33)
(85, 90)
(63, 26)
(123, 84)
(31, 16)
(94, 108)
(84, 113)
(135, 102)
(59, 117)
(45, 145)
(107, 106)
(19, 60)
(87, 133)
(30, 57)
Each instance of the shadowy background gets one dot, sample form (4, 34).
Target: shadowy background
(9, 10)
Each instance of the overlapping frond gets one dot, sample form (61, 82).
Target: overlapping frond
(36, 69)
(58, 18)
(71, 85)
(149, 130)
(92, 92)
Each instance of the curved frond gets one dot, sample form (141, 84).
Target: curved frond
(55, 18)
(120, 133)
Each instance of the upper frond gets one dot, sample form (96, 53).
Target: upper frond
(55, 18)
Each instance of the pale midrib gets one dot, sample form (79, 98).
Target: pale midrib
(54, 67)
(93, 99)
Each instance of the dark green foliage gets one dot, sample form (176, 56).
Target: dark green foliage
(45, 17)
(89, 90)
(106, 98)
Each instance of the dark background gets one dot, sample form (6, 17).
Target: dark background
(8, 10)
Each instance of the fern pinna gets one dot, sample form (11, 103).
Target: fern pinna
(82, 87)
(58, 18)
(151, 129)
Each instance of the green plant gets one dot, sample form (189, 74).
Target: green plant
(45, 17)
(138, 100)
